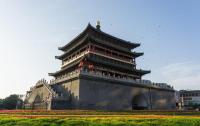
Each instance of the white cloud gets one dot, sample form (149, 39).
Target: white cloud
(185, 75)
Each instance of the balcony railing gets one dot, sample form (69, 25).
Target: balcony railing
(76, 73)
(74, 58)
(65, 77)
(128, 79)
(97, 53)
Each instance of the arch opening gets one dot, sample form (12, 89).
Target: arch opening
(139, 102)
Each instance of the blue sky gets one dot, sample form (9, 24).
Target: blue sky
(32, 30)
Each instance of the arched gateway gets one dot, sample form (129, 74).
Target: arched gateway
(139, 102)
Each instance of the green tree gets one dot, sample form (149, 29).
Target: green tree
(11, 101)
(195, 106)
(1, 104)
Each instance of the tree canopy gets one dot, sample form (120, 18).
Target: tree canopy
(11, 102)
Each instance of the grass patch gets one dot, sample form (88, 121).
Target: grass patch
(98, 118)
(103, 121)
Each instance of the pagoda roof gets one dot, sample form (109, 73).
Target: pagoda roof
(137, 54)
(76, 62)
(124, 67)
(128, 44)
(142, 72)
(134, 54)
(88, 57)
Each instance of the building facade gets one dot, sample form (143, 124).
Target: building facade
(189, 99)
(99, 71)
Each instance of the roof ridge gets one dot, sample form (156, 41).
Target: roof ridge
(89, 26)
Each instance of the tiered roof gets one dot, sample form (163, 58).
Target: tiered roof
(90, 29)
(96, 36)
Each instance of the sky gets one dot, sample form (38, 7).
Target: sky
(32, 30)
